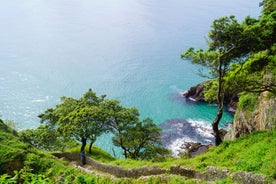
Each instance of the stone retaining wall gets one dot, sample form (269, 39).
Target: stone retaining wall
(211, 173)
(214, 173)
(115, 170)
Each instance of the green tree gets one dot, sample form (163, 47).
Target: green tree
(45, 138)
(143, 141)
(244, 53)
(257, 73)
(87, 118)
(121, 121)
(138, 139)
(82, 119)
(225, 45)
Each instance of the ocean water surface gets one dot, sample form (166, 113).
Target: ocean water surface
(127, 49)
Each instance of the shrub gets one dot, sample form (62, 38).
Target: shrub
(248, 102)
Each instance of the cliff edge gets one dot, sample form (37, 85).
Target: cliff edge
(263, 117)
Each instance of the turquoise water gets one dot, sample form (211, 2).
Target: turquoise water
(126, 49)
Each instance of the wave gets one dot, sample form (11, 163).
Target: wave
(192, 99)
(177, 132)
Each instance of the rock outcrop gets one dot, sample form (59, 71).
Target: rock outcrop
(195, 148)
(262, 118)
(196, 93)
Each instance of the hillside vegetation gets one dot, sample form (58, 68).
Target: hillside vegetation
(253, 153)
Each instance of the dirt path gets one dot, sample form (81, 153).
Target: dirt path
(90, 170)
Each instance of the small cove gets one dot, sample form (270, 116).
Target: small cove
(129, 50)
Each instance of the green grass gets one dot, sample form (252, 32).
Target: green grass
(10, 147)
(253, 153)
(97, 153)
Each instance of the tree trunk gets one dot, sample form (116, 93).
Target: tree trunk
(92, 141)
(125, 152)
(90, 148)
(215, 126)
(124, 148)
(220, 99)
(83, 144)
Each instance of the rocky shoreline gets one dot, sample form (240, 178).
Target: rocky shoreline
(186, 136)
(191, 139)
(196, 93)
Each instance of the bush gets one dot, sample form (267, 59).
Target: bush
(248, 102)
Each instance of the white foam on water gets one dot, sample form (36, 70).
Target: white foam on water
(192, 99)
(203, 129)
(183, 92)
(176, 146)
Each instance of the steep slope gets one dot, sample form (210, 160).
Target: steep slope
(12, 151)
(262, 116)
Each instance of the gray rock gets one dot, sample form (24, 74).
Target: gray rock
(248, 178)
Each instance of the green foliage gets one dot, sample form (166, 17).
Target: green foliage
(254, 153)
(256, 75)
(10, 146)
(140, 140)
(210, 91)
(88, 117)
(226, 45)
(257, 72)
(101, 155)
(240, 57)
(83, 118)
(248, 102)
(4, 126)
(46, 138)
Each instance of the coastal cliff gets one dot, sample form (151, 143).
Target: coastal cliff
(263, 117)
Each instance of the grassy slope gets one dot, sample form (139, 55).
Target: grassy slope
(36, 166)
(255, 153)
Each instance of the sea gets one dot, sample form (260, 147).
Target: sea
(127, 49)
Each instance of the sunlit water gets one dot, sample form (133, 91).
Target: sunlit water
(127, 49)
